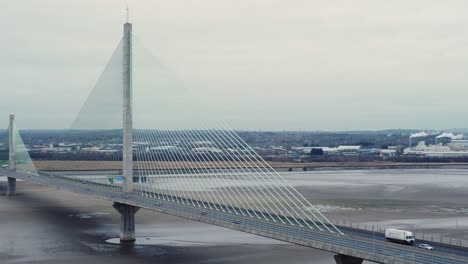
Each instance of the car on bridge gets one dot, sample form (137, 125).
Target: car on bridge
(426, 246)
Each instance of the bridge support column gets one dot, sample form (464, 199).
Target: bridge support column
(11, 186)
(127, 221)
(344, 259)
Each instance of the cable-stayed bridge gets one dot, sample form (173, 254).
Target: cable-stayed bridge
(142, 140)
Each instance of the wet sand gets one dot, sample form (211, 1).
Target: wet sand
(44, 225)
(431, 201)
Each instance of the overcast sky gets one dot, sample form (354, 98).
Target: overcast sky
(270, 65)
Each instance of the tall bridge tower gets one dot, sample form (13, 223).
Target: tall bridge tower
(11, 156)
(127, 212)
(127, 149)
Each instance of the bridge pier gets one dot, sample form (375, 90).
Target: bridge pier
(11, 186)
(127, 221)
(345, 259)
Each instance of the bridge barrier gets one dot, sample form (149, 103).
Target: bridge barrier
(435, 239)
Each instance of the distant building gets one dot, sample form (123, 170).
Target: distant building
(438, 150)
(58, 148)
(458, 144)
(388, 152)
(369, 152)
(349, 150)
(308, 150)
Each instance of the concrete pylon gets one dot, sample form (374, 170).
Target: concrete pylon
(345, 259)
(127, 144)
(127, 221)
(11, 157)
(127, 212)
(11, 191)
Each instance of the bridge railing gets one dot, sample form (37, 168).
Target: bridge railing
(442, 240)
(437, 239)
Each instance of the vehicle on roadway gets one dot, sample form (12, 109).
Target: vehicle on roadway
(399, 236)
(426, 246)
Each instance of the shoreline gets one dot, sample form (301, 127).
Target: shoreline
(56, 165)
(367, 165)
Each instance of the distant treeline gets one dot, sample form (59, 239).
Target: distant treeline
(366, 139)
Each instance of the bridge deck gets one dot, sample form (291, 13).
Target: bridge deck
(354, 243)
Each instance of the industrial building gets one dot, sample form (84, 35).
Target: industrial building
(456, 147)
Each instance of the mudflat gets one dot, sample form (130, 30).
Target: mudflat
(47, 226)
